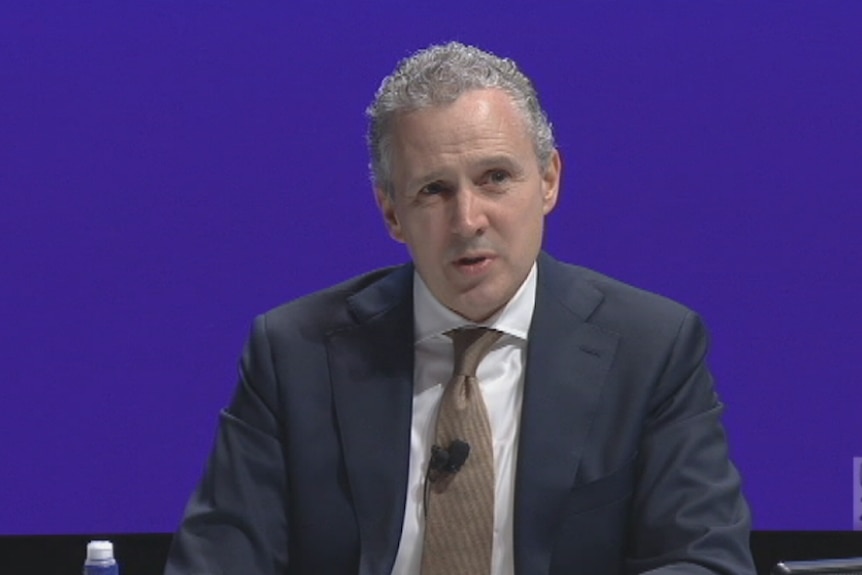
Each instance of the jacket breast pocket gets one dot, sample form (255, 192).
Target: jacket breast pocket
(615, 486)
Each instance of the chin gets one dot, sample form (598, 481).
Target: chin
(479, 309)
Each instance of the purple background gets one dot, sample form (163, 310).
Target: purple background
(167, 172)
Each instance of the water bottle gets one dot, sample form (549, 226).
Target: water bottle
(100, 559)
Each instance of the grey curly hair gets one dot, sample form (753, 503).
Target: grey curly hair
(438, 75)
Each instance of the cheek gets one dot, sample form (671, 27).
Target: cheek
(424, 227)
(524, 235)
(421, 236)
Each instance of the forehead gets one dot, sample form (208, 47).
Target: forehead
(477, 124)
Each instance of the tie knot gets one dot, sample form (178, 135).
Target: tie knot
(470, 346)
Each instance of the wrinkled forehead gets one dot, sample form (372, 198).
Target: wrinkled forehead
(479, 125)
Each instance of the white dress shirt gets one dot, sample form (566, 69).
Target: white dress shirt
(501, 379)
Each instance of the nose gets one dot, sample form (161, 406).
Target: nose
(468, 212)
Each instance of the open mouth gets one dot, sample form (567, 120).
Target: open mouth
(471, 261)
(474, 264)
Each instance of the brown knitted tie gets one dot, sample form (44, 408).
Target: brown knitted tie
(459, 524)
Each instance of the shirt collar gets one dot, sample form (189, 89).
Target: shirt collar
(431, 318)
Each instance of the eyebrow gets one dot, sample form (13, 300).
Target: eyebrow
(483, 163)
(499, 159)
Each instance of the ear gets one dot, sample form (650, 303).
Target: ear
(551, 183)
(387, 208)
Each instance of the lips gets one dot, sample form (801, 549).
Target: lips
(470, 261)
(473, 263)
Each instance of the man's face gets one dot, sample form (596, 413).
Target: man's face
(469, 199)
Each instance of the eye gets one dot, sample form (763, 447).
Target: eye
(433, 189)
(497, 176)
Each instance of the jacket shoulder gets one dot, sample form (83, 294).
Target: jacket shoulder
(326, 310)
(619, 307)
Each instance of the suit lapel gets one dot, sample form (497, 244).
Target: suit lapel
(567, 362)
(371, 363)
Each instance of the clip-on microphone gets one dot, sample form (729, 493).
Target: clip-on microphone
(444, 464)
(448, 461)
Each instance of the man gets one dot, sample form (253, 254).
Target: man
(608, 454)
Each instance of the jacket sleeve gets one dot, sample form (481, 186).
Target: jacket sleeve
(236, 520)
(688, 514)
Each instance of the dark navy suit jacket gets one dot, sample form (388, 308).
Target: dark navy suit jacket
(622, 461)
